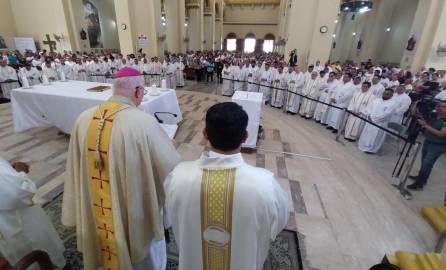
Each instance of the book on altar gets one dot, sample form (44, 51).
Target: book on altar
(99, 88)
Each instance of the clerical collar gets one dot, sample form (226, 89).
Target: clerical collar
(216, 160)
(121, 99)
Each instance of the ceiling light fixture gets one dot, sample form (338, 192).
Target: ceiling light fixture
(356, 6)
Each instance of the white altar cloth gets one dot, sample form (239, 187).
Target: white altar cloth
(60, 103)
(252, 104)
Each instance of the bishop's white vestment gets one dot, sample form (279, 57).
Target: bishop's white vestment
(379, 112)
(24, 226)
(224, 211)
(137, 160)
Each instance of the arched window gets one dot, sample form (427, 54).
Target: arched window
(231, 42)
(250, 43)
(268, 43)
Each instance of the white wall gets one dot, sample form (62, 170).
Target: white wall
(7, 24)
(434, 60)
(370, 27)
(257, 19)
(38, 18)
(395, 41)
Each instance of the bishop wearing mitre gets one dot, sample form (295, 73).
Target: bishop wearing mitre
(118, 158)
(225, 213)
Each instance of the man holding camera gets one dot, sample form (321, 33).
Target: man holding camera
(434, 146)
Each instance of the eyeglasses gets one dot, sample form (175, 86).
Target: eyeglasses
(142, 87)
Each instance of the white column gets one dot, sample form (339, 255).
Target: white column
(311, 45)
(175, 14)
(195, 26)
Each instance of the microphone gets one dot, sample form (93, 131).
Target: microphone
(158, 119)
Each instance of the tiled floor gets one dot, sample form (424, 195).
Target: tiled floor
(345, 210)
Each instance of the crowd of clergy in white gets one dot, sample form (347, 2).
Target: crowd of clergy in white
(380, 95)
(45, 68)
(126, 183)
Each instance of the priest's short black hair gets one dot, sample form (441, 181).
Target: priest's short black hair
(226, 125)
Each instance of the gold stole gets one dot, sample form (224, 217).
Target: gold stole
(217, 193)
(98, 141)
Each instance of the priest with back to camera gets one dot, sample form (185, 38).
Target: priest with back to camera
(118, 158)
(224, 212)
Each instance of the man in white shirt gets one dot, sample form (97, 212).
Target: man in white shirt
(224, 212)
(442, 94)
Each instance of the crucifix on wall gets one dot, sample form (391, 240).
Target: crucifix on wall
(50, 43)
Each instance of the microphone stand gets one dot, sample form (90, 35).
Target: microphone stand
(161, 121)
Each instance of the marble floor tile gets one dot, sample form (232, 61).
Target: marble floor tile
(345, 210)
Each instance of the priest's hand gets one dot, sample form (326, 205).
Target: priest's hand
(21, 167)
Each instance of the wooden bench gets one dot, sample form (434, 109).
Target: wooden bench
(37, 256)
(436, 216)
(416, 261)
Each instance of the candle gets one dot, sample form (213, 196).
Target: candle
(45, 79)
(62, 76)
(25, 82)
(163, 84)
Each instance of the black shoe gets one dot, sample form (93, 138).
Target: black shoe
(329, 127)
(350, 140)
(415, 186)
(335, 131)
(413, 177)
